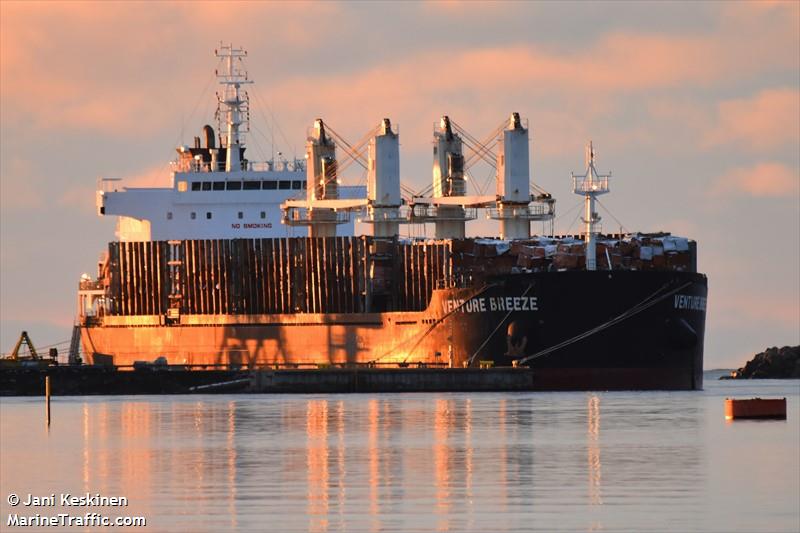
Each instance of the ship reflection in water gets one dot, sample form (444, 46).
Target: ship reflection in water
(593, 448)
(443, 462)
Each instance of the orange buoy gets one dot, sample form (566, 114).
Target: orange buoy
(755, 408)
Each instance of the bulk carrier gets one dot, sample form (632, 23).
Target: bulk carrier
(209, 272)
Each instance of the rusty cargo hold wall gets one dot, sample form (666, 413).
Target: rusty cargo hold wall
(289, 275)
(262, 276)
(138, 280)
(420, 267)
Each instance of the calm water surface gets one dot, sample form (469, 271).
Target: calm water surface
(613, 461)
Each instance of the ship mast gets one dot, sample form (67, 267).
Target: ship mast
(235, 106)
(590, 185)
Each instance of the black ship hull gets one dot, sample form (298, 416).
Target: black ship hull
(578, 330)
(592, 330)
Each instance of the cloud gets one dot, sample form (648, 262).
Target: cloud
(84, 65)
(734, 310)
(20, 186)
(80, 198)
(762, 180)
(55, 79)
(157, 176)
(559, 90)
(769, 120)
(460, 8)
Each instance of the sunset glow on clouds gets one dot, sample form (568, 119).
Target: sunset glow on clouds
(762, 180)
(694, 106)
(766, 121)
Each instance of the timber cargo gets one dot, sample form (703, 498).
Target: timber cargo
(340, 274)
(242, 264)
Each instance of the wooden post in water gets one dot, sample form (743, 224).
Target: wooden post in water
(47, 399)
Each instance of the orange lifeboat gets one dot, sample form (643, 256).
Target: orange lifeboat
(755, 408)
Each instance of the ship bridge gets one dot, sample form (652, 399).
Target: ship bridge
(215, 191)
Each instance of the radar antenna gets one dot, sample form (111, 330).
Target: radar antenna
(233, 103)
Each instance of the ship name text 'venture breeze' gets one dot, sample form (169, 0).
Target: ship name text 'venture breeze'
(208, 271)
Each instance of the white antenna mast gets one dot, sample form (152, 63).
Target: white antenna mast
(237, 109)
(591, 185)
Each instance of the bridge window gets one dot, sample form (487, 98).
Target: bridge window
(297, 185)
(263, 214)
(206, 185)
(208, 215)
(270, 185)
(241, 215)
(234, 186)
(284, 184)
(305, 185)
(196, 185)
(193, 215)
(219, 185)
(252, 185)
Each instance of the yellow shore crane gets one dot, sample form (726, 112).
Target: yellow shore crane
(14, 357)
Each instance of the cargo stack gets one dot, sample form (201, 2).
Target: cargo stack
(351, 274)
(658, 251)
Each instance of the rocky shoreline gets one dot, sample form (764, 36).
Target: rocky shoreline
(772, 363)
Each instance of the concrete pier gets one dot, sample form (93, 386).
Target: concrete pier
(82, 380)
(393, 380)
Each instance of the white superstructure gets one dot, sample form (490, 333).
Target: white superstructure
(215, 191)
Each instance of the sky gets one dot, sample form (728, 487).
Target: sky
(694, 107)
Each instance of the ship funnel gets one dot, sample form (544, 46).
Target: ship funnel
(208, 133)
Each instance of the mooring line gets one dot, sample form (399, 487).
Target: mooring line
(635, 310)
